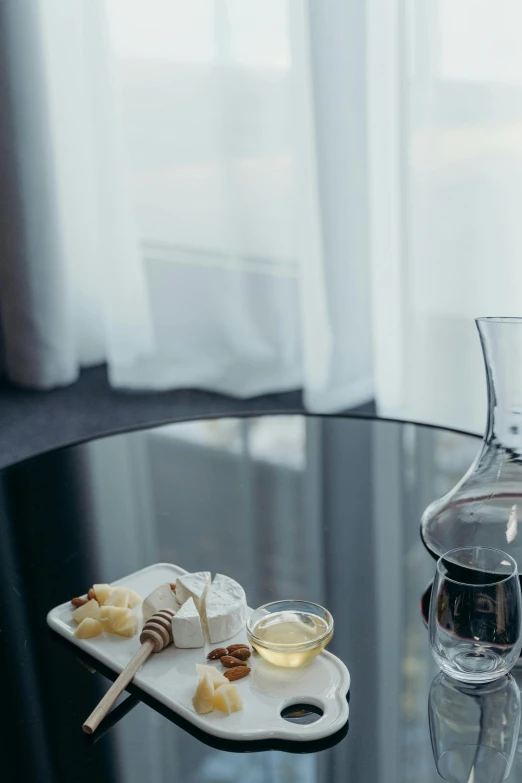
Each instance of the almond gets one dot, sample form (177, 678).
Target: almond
(243, 654)
(237, 673)
(219, 652)
(234, 647)
(79, 601)
(229, 661)
(91, 594)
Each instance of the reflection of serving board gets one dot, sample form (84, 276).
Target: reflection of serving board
(170, 677)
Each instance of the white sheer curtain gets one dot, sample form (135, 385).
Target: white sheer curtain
(192, 180)
(446, 150)
(183, 172)
(258, 195)
(203, 196)
(208, 97)
(245, 293)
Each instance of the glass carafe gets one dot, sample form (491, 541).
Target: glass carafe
(485, 507)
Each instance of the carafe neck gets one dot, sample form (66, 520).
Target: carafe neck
(501, 340)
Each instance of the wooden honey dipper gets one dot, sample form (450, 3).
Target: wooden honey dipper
(155, 636)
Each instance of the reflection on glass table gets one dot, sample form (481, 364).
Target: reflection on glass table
(326, 509)
(474, 728)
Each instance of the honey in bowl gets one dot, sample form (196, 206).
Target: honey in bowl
(290, 633)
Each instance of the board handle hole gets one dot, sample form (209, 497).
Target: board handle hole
(302, 714)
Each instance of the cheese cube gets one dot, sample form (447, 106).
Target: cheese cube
(215, 675)
(118, 597)
(88, 628)
(90, 609)
(203, 699)
(102, 592)
(114, 618)
(228, 699)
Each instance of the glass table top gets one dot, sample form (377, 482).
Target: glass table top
(325, 509)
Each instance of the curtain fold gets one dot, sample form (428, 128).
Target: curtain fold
(68, 230)
(336, 59)
(38, 344)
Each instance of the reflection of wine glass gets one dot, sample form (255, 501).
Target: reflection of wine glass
(474, 728)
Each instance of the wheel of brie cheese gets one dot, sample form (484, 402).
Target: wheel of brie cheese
(225, 608)
(213, 610)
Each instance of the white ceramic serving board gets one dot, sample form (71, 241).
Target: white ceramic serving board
(170, 677)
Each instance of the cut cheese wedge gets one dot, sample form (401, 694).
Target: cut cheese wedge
(118, 597)
(90, 609)
(88, 628)
(129, 628)
(134, 599)
(114, 618)
(214, 674)
(187, 630)
(102, 592)
(225, 609)
(228, 699)
(203, 699)
(160, 598)
(193, 586)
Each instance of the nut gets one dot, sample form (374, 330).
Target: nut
(229, 661)
(234, 647)
(242, 654)
(237, 673)
(173, 586)
(91, 594)
(219, 652)
(79, 601)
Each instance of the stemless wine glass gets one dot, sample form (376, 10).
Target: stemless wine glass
(475, 614)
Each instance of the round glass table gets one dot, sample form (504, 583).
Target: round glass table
(325, 509)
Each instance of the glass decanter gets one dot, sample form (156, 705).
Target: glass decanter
(485, 507)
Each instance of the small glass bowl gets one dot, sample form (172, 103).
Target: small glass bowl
(290, 633)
